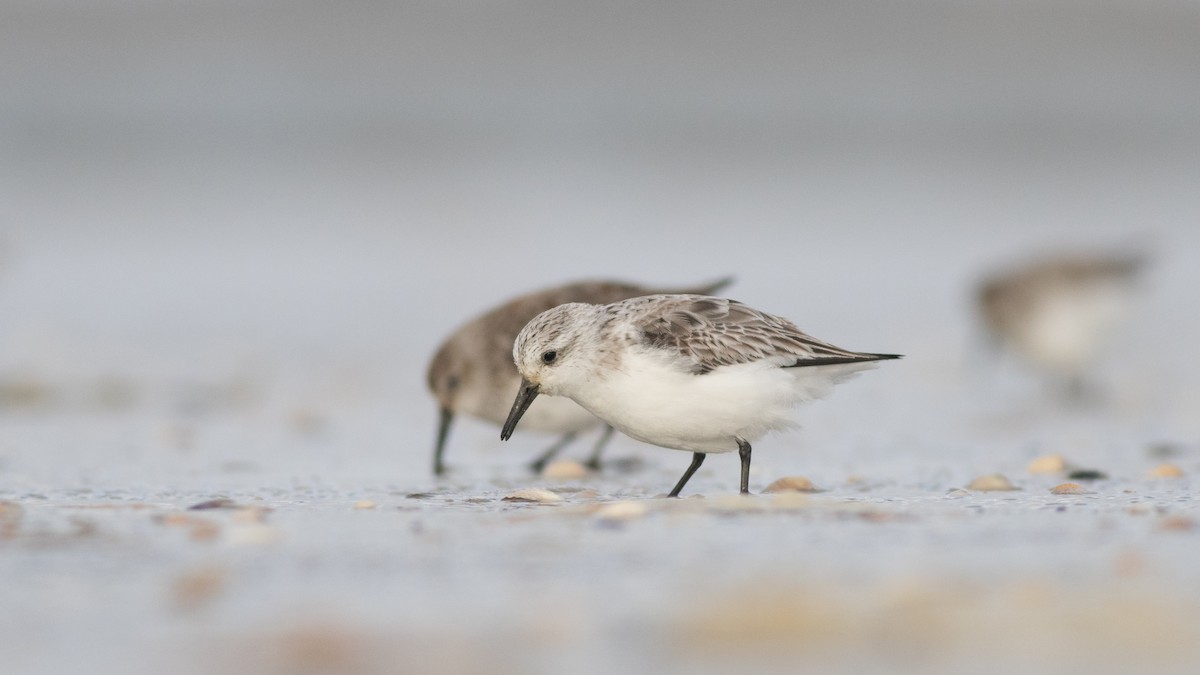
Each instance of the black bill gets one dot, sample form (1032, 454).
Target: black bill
(525, 396)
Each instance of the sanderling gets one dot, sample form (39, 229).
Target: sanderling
(473, 372)
(686, 372)
(1058, 313)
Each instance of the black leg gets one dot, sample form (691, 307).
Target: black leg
(540, 463)
(443, 431)
(744, 453)
(697, 460)
(593, 462)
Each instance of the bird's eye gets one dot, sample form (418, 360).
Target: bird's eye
(549, 356)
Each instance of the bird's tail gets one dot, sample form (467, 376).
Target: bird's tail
(710, 288)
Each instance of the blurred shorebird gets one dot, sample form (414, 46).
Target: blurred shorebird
(684, 372)
(473, 373)
(1057, 314)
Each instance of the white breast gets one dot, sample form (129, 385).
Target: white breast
(651, 400)
(1068, 327)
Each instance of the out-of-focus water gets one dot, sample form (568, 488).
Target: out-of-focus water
(232, 234)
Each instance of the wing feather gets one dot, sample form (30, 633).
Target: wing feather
(707, 333)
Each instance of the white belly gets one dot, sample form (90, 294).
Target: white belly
(655, 403)
(1068, 329)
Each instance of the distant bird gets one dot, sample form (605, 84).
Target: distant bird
(1058, 313)
(685, 372)
(473, 371)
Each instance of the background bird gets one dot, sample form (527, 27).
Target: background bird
(473, 373)
(1058, 313)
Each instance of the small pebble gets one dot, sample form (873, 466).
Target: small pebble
(536, 495)
(251, 514)
(564, 470)
(365, 504)
(621, 511)
(255, 535)
(1177, 524)
(957, 493)
(221, 503)
(10, 518)
(175, 519)
(199, 528)
(197, 588)
(791, 484)
(1048, 464)
(1166, 471)
(995, 482)
(203, 530)
(1068, 489)
(1087, 474)
(874, 516)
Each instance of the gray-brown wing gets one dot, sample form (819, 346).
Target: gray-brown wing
(708, 333)
(505, 321)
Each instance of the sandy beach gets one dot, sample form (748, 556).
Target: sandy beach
(233, 234)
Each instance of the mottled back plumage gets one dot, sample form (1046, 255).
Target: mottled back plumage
(712, 332)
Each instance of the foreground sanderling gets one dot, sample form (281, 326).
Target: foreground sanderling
(472, 371)
(687, 372)
(1058, 313)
